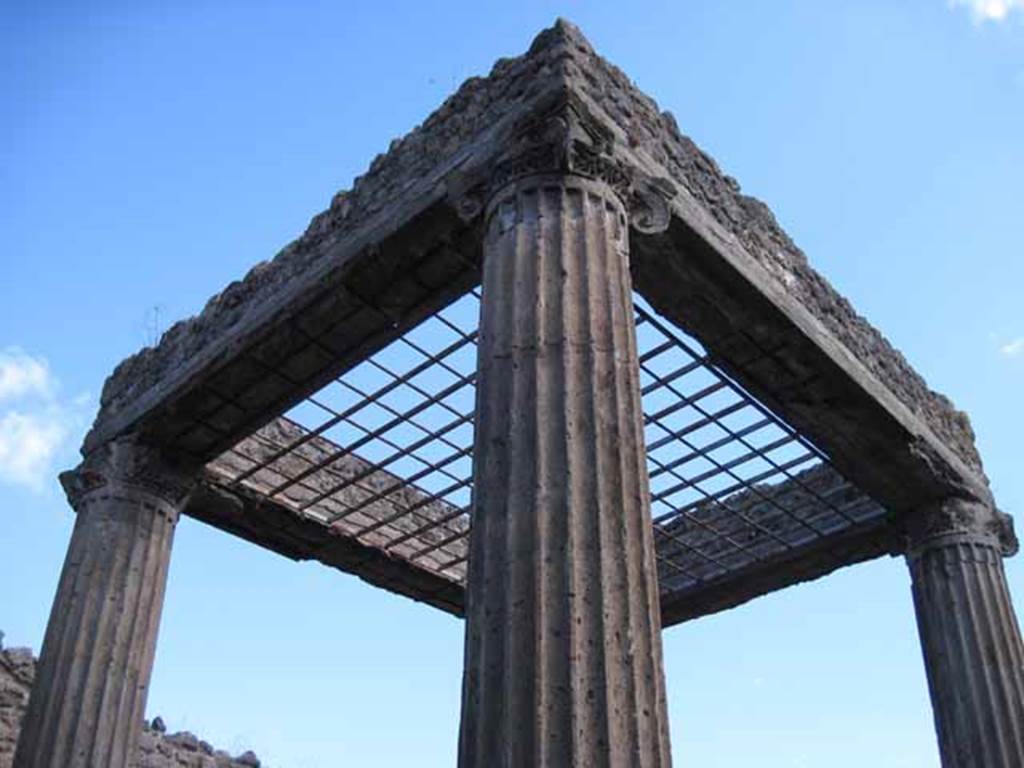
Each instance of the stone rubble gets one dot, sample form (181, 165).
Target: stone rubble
(157, 748)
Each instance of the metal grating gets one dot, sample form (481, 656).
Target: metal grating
(731, 483)
(383, 454)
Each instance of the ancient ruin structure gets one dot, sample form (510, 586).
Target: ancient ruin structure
(157, 748)
(545, 367)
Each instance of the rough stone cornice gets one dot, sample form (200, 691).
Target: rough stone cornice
(561, 135)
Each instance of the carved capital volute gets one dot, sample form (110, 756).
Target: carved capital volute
(956, 520)
(127, 468)
(563, 137)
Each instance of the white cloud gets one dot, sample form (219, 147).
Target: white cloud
(22, 375)
(1012, 348)
(36, 424)
(989, 10)
(28, 445)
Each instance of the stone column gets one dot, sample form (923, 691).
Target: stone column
(89, 697)
(971, 641)
(563, 662)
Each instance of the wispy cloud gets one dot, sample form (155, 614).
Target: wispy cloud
(989, 10)
(21, 375)
(28, 445)
(36, 423)
(1013, 348)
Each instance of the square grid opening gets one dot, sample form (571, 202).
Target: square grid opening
(383, 454)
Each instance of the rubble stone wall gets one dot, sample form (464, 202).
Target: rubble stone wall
(157, 748)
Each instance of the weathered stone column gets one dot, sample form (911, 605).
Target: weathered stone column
(89, 696)
(563, 639)
(969, 634)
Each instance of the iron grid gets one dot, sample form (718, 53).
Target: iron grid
(732, 484)
(383, 454)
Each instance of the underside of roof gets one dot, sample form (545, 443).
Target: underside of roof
(329, 394)
(372, 474)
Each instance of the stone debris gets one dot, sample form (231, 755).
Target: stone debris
(157, 749)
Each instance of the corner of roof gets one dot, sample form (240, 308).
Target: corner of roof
(562, 33)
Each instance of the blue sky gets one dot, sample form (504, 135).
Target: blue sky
(149, 154)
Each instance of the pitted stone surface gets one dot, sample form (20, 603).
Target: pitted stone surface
(156, 749)
(563, 663)
(17, 671)
(657, 132)
(973, 652)
(477, 104)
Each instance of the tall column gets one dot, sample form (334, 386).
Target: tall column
(563, 662)
(89, 696)
(969, 634)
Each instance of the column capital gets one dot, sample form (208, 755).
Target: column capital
(562, 137)
(126, 466)
(958, 520)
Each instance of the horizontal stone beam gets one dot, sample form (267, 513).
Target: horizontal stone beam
(278, 529)
(784, 569)
(402, 243)
(244, 510)
(287, 330)
(406, 240)
(369, 521)
(716, 263)
(769, 536)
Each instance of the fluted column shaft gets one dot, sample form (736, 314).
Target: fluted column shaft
(89, 696)
(563, 659)
(970, 638)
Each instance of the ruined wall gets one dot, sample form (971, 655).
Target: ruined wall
(157, 749)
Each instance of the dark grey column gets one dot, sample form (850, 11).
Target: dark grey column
(969, 634)
(89, 696)
(563, 659)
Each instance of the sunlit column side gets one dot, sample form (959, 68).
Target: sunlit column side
(970, 638)
(88, 700)
(563, 663)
